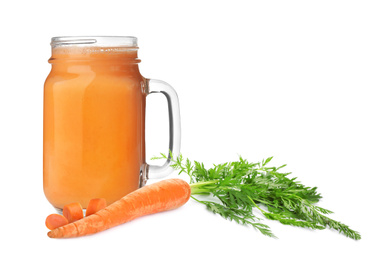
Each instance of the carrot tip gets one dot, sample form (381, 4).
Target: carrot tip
(55, 233)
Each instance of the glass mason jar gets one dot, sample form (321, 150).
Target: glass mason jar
(94, 121)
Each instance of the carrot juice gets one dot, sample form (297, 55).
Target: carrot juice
(94, 124)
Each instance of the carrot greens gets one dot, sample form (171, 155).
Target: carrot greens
(241, 188)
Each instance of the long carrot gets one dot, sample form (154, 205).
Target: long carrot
(161, 196)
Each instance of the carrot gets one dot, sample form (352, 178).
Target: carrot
(73, 212)
(95, 205)
(55, 220)
(160, 196)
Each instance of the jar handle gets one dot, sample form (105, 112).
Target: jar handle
(153, 171)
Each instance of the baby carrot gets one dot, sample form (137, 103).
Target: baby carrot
(95, 205)
(73, 212)
(55, 220)
(161, 196)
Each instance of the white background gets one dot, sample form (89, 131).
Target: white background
(297, 80)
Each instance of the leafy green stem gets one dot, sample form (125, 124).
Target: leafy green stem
(241, 187)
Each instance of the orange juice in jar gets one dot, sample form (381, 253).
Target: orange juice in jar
(94, 121)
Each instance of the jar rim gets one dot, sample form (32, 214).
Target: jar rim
(99, 41)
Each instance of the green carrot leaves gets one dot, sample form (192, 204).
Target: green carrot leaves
(241, 187)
